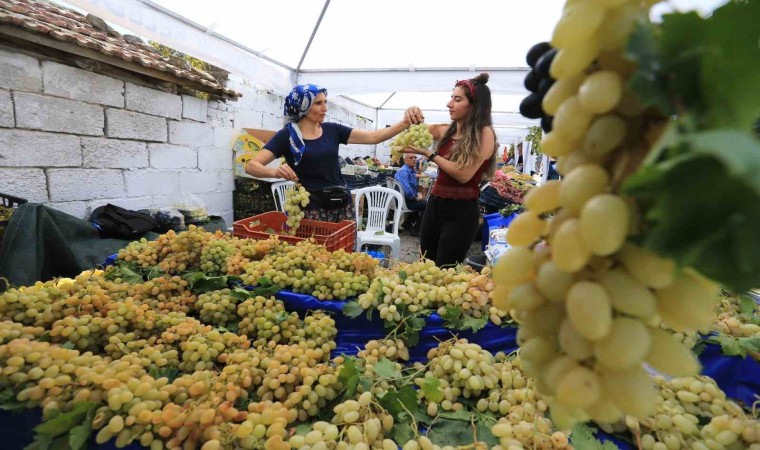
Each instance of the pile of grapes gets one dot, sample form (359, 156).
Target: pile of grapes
(416, 136)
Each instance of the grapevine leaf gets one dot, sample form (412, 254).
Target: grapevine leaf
(80, 434)
(747, 305)
(41, 442)
(400, 404)
(193, 277)
(68, 345)
(153, 272)
(431, 389)
(208, 284)
(732, 346)
(583, 438)
(699, 347)
(241, 294)
(349, 375)
(722, 243)
(127, 275)
(402, 433)
(63, 422)
(445, 431)
(385, 368)
(485, 435)
(353, 309)
(474, 323)
(647, 81)
(402, 275)
(457, 415)
(303, 428)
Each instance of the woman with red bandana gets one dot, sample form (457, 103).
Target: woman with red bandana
(465, 155)
(310, 147)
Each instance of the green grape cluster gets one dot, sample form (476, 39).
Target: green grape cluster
(296, 198)
(214, 256)
(416, 135)
(203, 351)
(319, 331)
(10, 330)
(266, 322)
(218, 308)
(84, 332)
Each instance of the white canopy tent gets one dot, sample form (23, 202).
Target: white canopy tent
(387, 55)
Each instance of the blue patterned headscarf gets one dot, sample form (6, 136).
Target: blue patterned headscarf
(297, 104)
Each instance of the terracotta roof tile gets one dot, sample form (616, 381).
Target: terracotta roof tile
(70, 26)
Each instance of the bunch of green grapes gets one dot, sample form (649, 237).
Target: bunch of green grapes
(416, 135)
(266, 322)
(296, 198)
(165, 294)
(391, 349)
(32, 305)
(359, 423)
(10, 330)
(298, 376)
(590, 303)
(204, 351)
(463, 369)
(84, 332)
(218, 308)
(184, 251)
(678, 422)
(266, 425)
(319, 331)
(214, 256)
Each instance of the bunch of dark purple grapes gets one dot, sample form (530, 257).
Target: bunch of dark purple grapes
(538, 81)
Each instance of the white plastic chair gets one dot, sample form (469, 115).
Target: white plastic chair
(378, 200)
(278, 193)
(393, 183)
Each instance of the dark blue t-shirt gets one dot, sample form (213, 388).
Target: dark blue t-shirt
(319, 167)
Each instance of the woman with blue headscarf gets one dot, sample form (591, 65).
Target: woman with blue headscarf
(310, 147)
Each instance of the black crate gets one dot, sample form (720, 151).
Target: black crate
(251, 203)
(10, 201)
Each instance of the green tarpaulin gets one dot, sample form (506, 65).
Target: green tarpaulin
(41, 243)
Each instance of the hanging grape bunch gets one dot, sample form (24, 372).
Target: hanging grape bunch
(416, 136)
(590, 303)
(296, 198)
(538, 82)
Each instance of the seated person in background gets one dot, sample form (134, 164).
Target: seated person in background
(407, 178)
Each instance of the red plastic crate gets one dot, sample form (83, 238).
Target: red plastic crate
(333, 236)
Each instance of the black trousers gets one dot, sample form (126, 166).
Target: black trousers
(448, 229)
(412, 218)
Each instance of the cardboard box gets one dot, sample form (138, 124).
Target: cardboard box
(247, 145)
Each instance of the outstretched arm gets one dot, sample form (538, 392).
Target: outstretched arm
(411, 116)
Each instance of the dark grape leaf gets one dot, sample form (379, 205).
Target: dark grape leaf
(208, 284)
(80, 434)
(457, 415)
(474, 324)
(402, 433)
(445, 431)
(747, 305)
(349, 375)
(733, 346)
(400, 403)
(714, 231)
(485, 435)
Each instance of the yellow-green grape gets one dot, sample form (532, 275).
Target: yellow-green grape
(296, 198)
(625, 346)
(580, 185)
(604, 223)
(600, 92)
(670, 356)
(688, 303)
(604, 135)
(560, 91)
(589, 310)
(627, 295)
(525, 229)
(577, 24)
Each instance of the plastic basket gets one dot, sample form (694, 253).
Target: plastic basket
(491, 200)
(10, 201)
(333, 236)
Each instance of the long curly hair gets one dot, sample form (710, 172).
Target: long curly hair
(466, 151)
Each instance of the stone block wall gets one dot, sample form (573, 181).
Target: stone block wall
(75, 140)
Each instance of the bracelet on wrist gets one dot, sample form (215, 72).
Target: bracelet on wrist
(432, 155)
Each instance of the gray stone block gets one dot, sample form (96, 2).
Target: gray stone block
(142, 183)
(84, 184)
(22, 148)
(199, 181)
(134, 125)
(30, 184)
(248, 118)
(7, 118)
(215, 158)
(153, 101)
(20, 72)
(217, 202)
(40, 112)
(76, 209)
(105, 153)
(194, 108)
(78, 84)
(225, 137)
(226, 180)
(167, 156)
(190, 133)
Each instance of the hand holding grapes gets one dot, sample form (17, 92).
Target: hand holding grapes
(413, 115)
(286, 172)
